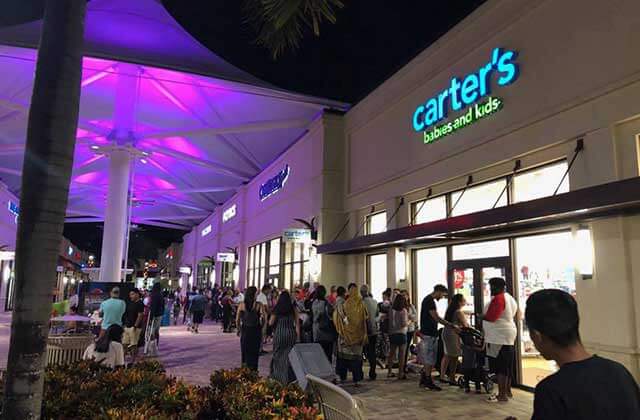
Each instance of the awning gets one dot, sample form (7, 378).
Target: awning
(579, 206)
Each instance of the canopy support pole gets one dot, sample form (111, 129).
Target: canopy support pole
(116, 216)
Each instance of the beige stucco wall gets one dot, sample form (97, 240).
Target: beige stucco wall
(579, 78)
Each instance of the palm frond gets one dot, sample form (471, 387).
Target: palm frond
(281, 24)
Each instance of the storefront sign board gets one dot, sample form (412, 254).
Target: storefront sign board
(296, 236)
(229, 214)
(226, 257)
(467, 91)
(274, 184)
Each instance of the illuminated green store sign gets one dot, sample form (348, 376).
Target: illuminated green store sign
(473, 91)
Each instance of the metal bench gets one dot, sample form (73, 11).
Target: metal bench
(335, 402)
(64, 349)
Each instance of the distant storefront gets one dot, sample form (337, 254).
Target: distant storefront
(500, 150)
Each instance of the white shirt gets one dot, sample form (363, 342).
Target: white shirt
(114, 357)
(262, 298)
(239, 298)
(503, 330)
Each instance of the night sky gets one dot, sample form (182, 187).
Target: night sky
(371, 40)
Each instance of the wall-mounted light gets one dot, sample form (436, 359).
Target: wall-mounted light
(65, 280)
(95, 147)
(583, 246)
(401, 266)
(144, 161)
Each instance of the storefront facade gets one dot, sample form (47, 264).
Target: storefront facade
(244, 237)
(420, 140)
(521, 109)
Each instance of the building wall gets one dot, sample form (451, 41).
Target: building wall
(315, 162)
(579, 78)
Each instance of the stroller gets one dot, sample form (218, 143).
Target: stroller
(474, 362)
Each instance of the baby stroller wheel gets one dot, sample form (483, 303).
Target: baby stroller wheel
(488, 386)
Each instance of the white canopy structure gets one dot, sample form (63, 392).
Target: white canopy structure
(168, 130)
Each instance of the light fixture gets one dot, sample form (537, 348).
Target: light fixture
(65, 280)
(73, 281)
(401, 268)
(143, 161)
(94, 147)
(583, 248)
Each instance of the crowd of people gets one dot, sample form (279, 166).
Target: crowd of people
(351, 327)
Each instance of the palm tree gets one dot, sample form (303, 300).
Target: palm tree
(46, 173)
(48, 161)
(281, 24)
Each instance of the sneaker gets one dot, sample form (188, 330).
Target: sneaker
(433, 387)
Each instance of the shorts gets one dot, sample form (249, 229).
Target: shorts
(427, 349)
(131, 337)
(502, 364)
(198, 316)
(398, 339)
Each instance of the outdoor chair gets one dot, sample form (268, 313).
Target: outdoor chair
(65, 349)
(335, 402)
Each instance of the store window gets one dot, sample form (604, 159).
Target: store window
(429, 210)
(376, 223)
(203, 275)
(263, 265)
(430, 269)
(543, 262)
(478, 198)
(296, 265)
(8, 280)
(540, 182)
(377, 274)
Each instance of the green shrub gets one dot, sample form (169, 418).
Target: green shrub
(87, 390)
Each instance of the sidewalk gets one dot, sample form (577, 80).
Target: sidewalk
(193, 357)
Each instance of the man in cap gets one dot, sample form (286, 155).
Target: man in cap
(111, 311)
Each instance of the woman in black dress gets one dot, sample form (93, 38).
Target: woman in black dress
(249, 320)
(286, 333)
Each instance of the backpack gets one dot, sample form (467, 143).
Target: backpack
(250, 318)
(325, 323)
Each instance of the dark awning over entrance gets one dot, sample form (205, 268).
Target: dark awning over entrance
(583, 205)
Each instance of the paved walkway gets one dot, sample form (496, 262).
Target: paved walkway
(193, 357)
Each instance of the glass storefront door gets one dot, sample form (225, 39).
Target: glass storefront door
(542, 262)
(471, 279)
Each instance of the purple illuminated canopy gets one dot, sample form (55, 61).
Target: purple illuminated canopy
(200, 126)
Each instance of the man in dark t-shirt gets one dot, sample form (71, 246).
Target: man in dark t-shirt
(132, 320)
(586, 386)
(428, 333)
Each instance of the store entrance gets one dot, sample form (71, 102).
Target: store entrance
(471, 279)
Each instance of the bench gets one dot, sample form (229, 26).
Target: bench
(65, 349)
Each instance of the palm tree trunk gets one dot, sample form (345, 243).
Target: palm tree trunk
(46, 173)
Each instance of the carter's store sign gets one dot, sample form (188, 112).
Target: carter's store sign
(472, 91)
